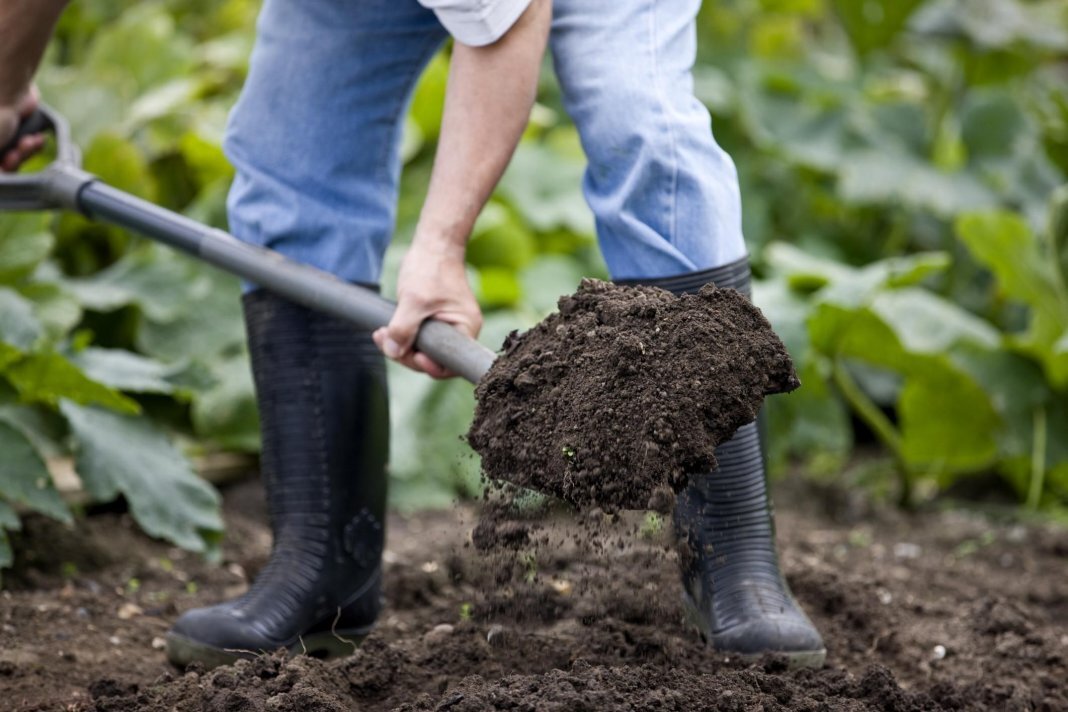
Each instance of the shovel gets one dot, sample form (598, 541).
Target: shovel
(63, 185)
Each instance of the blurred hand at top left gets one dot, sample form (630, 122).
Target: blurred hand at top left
(10, 117)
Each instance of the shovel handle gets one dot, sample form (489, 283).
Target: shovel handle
(35, 123)
(64, 185)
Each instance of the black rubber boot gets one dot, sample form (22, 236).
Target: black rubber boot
(734, 591)
(321, 386)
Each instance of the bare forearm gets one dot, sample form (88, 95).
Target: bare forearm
(487, 105)
(25, 28)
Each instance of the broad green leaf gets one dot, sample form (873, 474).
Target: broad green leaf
(873, 24)
(876, 177)
(120, 454)
(1016, 387)
(19, 326)
(498, 287)
(997, 24)
(48, 377)
(9, 521)
(429, 461)
(208, 323)
(158, 281)
(24, 477)
(428, 100)
(226, 413)
(57, 311)
(1005, 245)
(1058, 230)
(849, 286)
(787, 311)
(124, 370)
(145, 44)
(548, 278)
(948, 423)
(42, 426)
(500, 240)
(545, 188)
(24, 242)
(811, 424)
(927, 324)
(120, 164)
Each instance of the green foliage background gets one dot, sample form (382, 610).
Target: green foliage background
(900, 164)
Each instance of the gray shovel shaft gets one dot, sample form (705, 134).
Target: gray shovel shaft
(300, 283)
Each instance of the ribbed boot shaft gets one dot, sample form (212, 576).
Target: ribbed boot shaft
(723, 520)
(321, 390)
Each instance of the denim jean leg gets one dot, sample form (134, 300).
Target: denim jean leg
(664, 194)
(315, 136)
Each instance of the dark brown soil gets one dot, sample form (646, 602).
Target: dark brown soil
(612, 401)
(940, 610)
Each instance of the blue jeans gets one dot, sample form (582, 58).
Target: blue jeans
(316, 134)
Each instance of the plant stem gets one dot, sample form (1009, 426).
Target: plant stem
(1038, 459)
(875, 419)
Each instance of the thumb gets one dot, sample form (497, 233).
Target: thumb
(402, 330)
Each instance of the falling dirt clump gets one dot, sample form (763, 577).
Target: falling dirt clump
(614, 400)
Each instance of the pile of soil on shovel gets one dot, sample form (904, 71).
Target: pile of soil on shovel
(614, 400)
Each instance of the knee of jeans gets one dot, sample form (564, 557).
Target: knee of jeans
(624, 121)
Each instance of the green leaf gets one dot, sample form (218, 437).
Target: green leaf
(226, 413)
(878, 177)
(498, 287)
(208, 322)
(120, 164)
(41, 426)
(145, 43)
(548, 278)
(48, 377)
(810, 424)
(19, 326)
(1005, 245)
(873, 24)
(117, 453)
(24, 477)
(57, 311)
(948, 423)
(849, 286)
(430, 464)
(544, 186)
(1058, 230)
(927, 324)
(997, 24)
(428, 100)
(9, 521)
(24, 242)
(158, 281)
(500, 240)
(125, 370)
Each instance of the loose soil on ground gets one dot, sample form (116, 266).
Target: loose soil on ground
(940, 610)
(611, 401)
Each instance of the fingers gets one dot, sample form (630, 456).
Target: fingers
(26, 148)
(413, 359)
(27, 145)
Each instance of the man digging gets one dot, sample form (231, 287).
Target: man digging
(315, 139)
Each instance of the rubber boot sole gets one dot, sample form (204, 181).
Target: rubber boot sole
(794, 658)
(183, 651)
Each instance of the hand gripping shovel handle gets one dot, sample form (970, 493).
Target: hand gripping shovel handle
(64, 185)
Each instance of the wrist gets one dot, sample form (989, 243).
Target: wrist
(445, 243)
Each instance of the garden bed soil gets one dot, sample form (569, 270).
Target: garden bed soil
(945, 610)
(611, 401)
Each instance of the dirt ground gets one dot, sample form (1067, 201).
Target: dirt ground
(937, 610)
